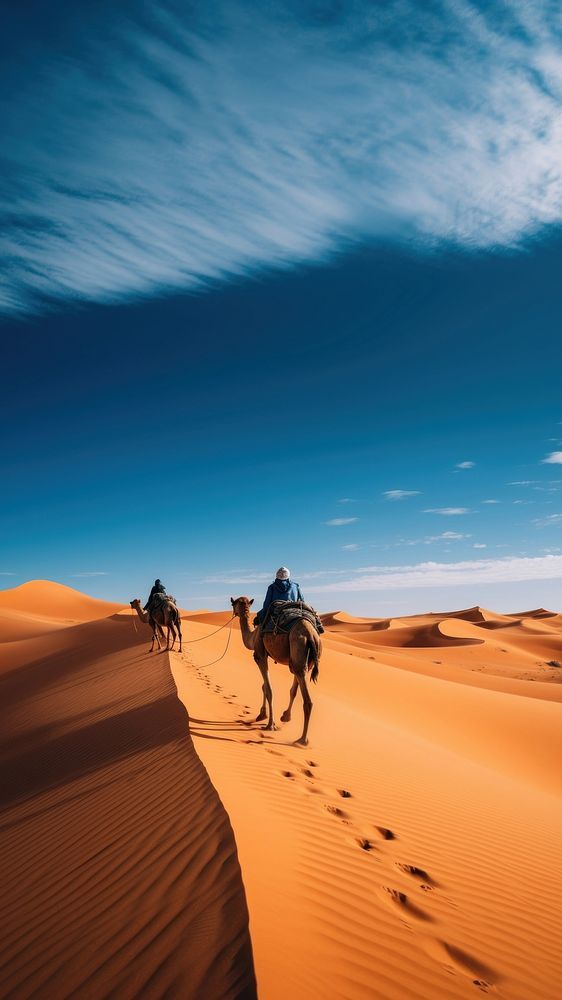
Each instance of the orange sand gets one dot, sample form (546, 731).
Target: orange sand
(118, 865)
(437, 875)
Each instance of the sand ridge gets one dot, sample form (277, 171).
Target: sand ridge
(118, 863)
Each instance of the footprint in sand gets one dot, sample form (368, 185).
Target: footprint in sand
(418, 873)
(312, 763)
(307, 773)
(336, 811)
(365, 844)
(288, 774)
(457, 960)
(385, 833)
(400, 900)
(344, 793)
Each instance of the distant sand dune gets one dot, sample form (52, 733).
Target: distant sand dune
(42, 597)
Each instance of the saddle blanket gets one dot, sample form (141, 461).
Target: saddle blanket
(282, 615)
(159, 599)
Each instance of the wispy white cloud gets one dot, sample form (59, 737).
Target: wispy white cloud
(174, 148)
(448, 511)
(479, 545)
(555, 458)
(548, 521)
(446, 536)
(434, 574)
(465, 465)
(522, 482)
(351, 547)
(347, 500)
(491, 501)
(400, 494)
(90, 573)
(337, 522)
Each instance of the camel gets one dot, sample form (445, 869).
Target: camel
(166, 615)
(300, 649)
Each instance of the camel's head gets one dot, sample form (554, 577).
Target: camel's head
(135, 603)
(241, 606)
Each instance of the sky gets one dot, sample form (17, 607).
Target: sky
(281, 286)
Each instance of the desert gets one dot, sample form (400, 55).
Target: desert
(157, 841)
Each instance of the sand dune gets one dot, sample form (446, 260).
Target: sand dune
(405, 886)
(54, 600)
(411, 851)
(119, 869)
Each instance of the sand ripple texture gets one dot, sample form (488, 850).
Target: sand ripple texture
(119, 870)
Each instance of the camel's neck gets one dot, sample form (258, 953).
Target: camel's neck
(143, 615)
(248, 634)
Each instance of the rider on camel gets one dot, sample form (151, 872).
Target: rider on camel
(158, 588)
(282, 589)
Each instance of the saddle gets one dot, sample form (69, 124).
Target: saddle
(159, 599)
(282, 615)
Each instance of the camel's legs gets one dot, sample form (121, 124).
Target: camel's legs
(262, 714)
(178, 626)
(286, 717)
(307, 706)
(156, 633)
(173, 631)
(267, 694)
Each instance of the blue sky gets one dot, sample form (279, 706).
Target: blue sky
(284, 288)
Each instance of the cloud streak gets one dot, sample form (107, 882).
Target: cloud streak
(90, 573)
(400, 494)
(166, 149)
(448, 511)
(433, 574)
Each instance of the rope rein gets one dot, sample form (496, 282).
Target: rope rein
(191, 641)
(221, 657)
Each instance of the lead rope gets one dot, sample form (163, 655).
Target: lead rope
(221, 657)
(215, 632)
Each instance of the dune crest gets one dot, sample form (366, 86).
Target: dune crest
(55, 600)
(118, 864)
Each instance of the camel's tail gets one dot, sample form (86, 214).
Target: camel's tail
(313, 658)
